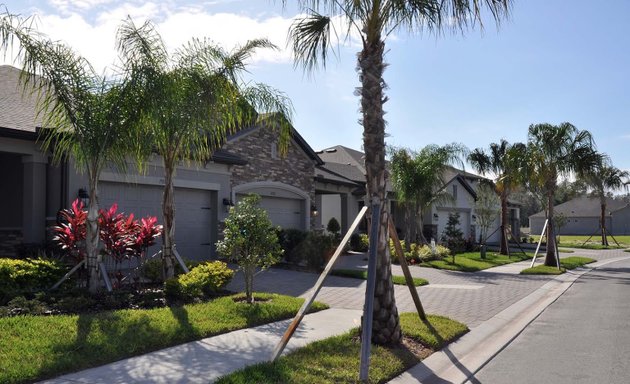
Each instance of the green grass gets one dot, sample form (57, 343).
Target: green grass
(565, 263)
(362, 274)
(38, 347)
(336, 359)
(595, 242)
(472, 261)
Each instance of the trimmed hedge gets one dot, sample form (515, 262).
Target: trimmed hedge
(206, 279)
(20, 277)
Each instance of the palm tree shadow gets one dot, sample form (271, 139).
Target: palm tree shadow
(450, 355)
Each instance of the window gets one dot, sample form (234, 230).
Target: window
(454, 191)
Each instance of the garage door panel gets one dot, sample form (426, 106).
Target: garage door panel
(283, 212)
(195, 214)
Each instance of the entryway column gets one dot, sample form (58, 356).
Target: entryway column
(344, 213)
(34, 208)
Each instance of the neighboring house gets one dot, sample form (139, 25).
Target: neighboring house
(285, 183)
(348, 163)
(33, 190)
(583, 217)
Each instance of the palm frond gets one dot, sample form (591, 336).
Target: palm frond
(311, 37)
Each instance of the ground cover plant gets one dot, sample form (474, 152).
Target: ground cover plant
(336, 359)
(38, 347)
(472, 261)
(362, 274)
(565, 263)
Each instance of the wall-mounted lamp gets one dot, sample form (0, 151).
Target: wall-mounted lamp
(474, 217)
(227, 203)
(84, 196)
(314, 211)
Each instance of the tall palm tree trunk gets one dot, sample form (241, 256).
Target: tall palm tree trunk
(91, 239)
(504, 221)
(602, 221)
(550, 257)
(168, 210)
(386, 325)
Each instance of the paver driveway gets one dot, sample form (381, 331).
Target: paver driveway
(467, 297)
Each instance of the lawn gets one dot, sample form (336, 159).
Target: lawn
(38, 347)
(595, 242)
(565, 263)
(472, 261)
(336, 359)
(362, 274)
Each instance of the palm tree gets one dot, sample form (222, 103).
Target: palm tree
(603, 179)
(502, 160)
(554, 152)
(373, 21)
(418, 179)
(195, 100)
(85, 116)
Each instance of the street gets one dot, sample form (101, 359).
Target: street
(584, 337)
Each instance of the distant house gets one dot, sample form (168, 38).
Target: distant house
(349, 164)
(583, 217)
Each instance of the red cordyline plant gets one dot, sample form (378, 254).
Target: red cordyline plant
(70, 236)
(122, 236)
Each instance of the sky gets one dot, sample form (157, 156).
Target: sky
(552, 61)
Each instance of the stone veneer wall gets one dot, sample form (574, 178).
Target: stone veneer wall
(295, 169)
(10, 240)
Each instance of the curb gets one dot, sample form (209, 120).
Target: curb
(460, 360)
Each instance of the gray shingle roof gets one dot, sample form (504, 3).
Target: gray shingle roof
(343, 155)
(585, 207)
(17, 110)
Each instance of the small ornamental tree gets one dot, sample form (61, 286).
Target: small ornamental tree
(452, 235)
(333, 227)
(250, 240)
(487, 210)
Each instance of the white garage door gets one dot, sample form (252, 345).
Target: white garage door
(195, 214)
(464, 222)
(285, 212)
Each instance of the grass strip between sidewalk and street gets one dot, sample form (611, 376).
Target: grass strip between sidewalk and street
(565, 263)
(362, 274)
(38, 347)
(472, 261)
(337, 359)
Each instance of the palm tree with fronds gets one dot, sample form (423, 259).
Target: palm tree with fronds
(373, 21)
(418, 180)
(85, 116)
(195, 100)
(502, 160)
(554, 152)
(602, 179)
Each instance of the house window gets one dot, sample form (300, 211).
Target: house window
(274, 150)
(454, 191)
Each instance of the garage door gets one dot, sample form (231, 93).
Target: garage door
(195, 214)
(464, 222)
(284, 212)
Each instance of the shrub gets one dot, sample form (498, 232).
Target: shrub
(206, 279)
(290, 239)
(359, 242)
(22, 306)
(152, 270)
(333, 227)
(316, 249)
(19, 277)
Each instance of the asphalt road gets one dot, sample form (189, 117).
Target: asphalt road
(584, 337)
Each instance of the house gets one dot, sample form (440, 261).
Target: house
(33, 190)
(348, 163)
(583, 216)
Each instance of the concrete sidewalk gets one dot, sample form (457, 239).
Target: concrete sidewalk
(461, 360)
(206, 360)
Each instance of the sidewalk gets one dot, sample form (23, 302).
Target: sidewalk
(206, 360)
(496, 304)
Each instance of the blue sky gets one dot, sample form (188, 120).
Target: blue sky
(552, 61)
